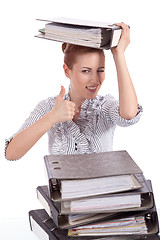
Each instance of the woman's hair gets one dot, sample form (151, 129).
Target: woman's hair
(71, 51)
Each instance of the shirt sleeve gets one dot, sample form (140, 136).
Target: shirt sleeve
(111, 110)
(39, 111)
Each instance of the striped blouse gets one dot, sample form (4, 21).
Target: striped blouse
(93, 131)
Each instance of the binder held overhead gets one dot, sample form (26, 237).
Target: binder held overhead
(81, 32)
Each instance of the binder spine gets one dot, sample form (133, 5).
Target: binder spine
(47, 227)
(51, 209)
(51, 165)
(43, 229)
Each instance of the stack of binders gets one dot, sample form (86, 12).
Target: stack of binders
(102, 196)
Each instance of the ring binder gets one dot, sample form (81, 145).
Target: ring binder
(97, 165)
(45, 229)
(60, 215)
(151, 224)
(120, 215)
(85, 33)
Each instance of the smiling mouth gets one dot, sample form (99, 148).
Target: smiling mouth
(92, 88)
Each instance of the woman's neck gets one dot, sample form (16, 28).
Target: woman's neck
(77, 100)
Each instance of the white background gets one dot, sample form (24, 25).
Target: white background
(31, 70)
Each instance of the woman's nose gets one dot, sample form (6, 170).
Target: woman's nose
(94, 78)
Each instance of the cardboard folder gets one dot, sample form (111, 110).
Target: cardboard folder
(89, 166)
(60, 215)
(45, 229)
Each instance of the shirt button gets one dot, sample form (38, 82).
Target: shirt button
(75, 146)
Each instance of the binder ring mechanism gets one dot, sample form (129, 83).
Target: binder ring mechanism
(148, 216)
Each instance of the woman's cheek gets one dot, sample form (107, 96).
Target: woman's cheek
(102, 77)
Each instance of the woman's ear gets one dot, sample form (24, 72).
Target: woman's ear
(66, 70)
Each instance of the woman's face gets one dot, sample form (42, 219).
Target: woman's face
(87, 75)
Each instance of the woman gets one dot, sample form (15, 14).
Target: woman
(81, 121)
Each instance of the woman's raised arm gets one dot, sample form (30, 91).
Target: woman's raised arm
(128, 104)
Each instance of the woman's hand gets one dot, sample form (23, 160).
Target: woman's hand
(124, 39)
(63, 110)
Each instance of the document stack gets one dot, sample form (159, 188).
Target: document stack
(81, 32)
(102, 196)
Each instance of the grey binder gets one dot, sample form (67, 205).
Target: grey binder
(146, 199)
(86, 166)
(60, 215)
(109, 33)
(43, 226)
(61, 220)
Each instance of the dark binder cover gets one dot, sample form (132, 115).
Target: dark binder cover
(109, 34)
(86, 166)
(60, 217)
(43, 226)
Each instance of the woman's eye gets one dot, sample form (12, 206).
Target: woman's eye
(85, 71)
(100, 71)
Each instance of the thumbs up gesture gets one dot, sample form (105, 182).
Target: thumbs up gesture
(64, 110)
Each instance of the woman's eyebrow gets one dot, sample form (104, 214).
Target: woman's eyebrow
(87, 68)
(91, 68)
(101, 67)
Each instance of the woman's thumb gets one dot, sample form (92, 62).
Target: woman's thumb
(62, 92)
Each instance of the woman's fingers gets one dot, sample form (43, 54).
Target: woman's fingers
(62, 93)
(64, 110)
(124, 39)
